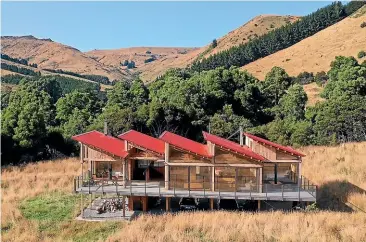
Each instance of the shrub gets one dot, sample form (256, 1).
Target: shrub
(361, 54)
(321, 78)
(304, 78)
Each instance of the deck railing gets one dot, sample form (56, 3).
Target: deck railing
(196, 189)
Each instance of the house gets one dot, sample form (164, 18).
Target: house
(141, 167)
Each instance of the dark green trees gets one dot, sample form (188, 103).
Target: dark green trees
(278, 39)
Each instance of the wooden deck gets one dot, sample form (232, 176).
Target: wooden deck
(155, 189)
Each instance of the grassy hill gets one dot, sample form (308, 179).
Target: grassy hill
(314, 54)
(257, 26)
(37, 205)
(48, 54)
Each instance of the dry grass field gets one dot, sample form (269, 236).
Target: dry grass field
(37, 205)
(313, 91)
(314, 54)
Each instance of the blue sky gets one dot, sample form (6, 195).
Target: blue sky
(110, 25)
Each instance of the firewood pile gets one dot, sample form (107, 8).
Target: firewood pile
(110, 205)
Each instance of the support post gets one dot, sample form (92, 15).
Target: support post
(275, 173)
(260, 180)
(123, 206)
(166, 174)
(213, 179)
(144, 204)
(259, 205)
(236, 180)
(211, 203)
(124, 173)
(299, 174)
(167, 204)
(82, 206)
(130, 203)
(189, 181)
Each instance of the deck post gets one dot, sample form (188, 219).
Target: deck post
(259, 205)
(167, 204)
(144, 204)
(211, 203)
(102, 186)
(189, 181)
(166, 173)
(275, 173)
(124, 173)
(124, 206)
(299, 173)
(236, 180)
(89, 184)
(282, 191)
(82, 160)
(145, 187)
(260, 180)
(204, 190)
(82, 209)
(213, 178)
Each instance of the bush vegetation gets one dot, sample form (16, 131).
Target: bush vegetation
(95, 78)
(19, 61)
(361, 54)
(20, 70)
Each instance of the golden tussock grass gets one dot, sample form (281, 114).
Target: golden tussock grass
(231, 226)
(335, 169)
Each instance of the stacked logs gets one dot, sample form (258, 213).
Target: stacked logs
(111, 205)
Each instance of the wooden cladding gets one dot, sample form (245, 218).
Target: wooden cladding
(285, 156)
(177, 156)
(94, 154)
(136, 153)
(227, 157)
(265, 151)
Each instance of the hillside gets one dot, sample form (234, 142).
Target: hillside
(339, 171)
(52, 55)
(315, 53)
(48, 54)
(255, 27)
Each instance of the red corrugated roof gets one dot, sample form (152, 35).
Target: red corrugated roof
(144, 141)
(278, 146)
(103, 142)
(185, 144)
(230, 145)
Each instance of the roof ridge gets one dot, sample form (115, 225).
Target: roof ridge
(87, 133)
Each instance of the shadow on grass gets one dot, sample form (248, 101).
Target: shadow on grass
(334, 196)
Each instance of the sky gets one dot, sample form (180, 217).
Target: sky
(111, 25)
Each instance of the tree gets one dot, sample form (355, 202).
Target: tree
(346, 78)
(131, 65)
(226, 122)
(304, 78)
(292, 104)
(341, 119)
(119, 120)
(76, 111)
(321, 78)
(28, 115)
(214, 43)
(275, 85)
